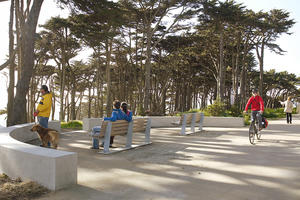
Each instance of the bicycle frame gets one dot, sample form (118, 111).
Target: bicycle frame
(254, 128)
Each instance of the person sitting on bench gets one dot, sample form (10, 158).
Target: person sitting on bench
(128, 113)
(117, 114)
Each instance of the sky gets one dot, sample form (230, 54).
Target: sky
(290, 61)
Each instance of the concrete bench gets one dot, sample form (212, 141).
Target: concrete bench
(190, 119)
(51, 168)
(123, 127)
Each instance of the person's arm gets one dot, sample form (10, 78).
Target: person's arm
(113, 117)
(261, 102)
(129, 117)
(248, 104)
(45, 104)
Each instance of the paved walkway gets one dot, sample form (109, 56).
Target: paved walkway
(218, 164)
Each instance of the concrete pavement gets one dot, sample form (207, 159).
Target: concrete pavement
(217, 164)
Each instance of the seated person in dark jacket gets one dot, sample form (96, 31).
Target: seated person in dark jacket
(128, 113)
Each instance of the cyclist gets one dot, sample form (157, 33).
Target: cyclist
(257, 107)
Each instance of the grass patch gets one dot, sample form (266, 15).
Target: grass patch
(15, 189)
(72, 125)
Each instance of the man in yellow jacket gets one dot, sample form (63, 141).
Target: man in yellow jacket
(44, 108)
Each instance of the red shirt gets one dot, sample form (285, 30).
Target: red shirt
(256, 102)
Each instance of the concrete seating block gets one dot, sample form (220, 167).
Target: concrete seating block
(51, 168)
(89, 123)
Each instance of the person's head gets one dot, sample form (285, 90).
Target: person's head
(116, 104)
(289, 98)
(44, 89)
(254, 92)
(124, 107)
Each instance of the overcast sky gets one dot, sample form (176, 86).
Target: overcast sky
(290, 43)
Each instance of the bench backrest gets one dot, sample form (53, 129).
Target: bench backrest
(120, 127)
(198, 117)
(140, 124)
(189, 118)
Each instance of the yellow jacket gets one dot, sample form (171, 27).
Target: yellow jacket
(44, 106)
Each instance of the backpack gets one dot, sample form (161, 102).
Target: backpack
(265, 122)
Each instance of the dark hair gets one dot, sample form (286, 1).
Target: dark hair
(44, 87)
(255, 91)
(124, 107)
(117, 104)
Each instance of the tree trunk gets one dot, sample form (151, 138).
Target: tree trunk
(221, 75)
(237, 71)
(89, 103)
(19, 113)
(62, 92)
(11, 88)
(148, 71)
(108, 77)
(73, 104)
(99, 87)
(260, 56)
(52, 87)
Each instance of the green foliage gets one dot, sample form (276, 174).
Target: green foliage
(217, 109)
(72, 125)
(276, 113)
(3, 112)
(234, 111)
(294, 110)
(141, 110)
(247, 119)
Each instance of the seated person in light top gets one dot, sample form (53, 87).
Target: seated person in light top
(117, 114)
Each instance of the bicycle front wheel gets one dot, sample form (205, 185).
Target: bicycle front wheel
(251, 133)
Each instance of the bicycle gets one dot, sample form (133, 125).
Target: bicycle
(254, 130)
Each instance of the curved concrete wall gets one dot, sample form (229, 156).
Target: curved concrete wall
(223, 122)
(51, 168)
(167, 121)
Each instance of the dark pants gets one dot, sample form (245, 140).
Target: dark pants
(255, 115)
(289, 118)
(111, 141)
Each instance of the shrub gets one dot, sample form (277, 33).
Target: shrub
(247, 119)
(72, 125)
(235, 111)
(274, 113)
(216, 109)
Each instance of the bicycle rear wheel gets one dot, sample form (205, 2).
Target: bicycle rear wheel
(258, 133)
(251, 133)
